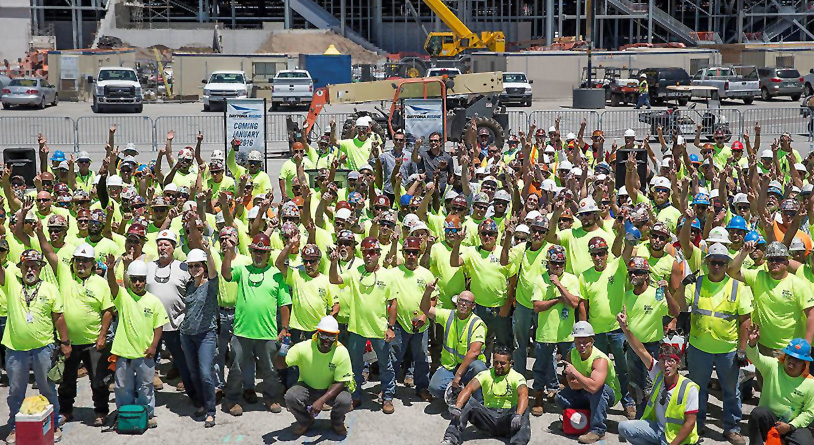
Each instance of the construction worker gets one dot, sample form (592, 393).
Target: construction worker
(592, 382)
(463, 339)
(504, 411)
(785, 402)
(721, 311)
(672, 406)
(325, 378)
(644, 92)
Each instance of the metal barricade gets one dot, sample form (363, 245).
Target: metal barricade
(776, 121)
(684, 121)
(518, 121)
(186, 132)
(22, 131)
(92, 131)
(570, 120)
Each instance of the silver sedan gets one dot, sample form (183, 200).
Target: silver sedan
(29, 91)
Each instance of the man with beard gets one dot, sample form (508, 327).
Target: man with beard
(101, 245)
(260, 180)
(373, 314)
(433, 159)
(34, 312)
(576, 240)
(88, 311)
(451, 279)
(504, 410)
(358, 149)
(408, 282)
(326, 378)
(661, 263)
(673, 405)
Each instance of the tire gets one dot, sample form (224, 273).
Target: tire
(56, 100)
(138, 109)
(683, 102)
(614, 100)
(94, 106)
(6, 106)
(795, 97)
(764, 94)
(748, 100)
(412, 68)
(498, 135)
(807, 90)
(42, 103)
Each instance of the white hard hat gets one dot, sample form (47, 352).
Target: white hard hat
(587, 205)
(219, 218)
(552, 129)
(218, 154)
(565, 165)
(718, 235)
(622, 191)
(642, 75)
(549, 149)
(168, 235)
(419, 226)
(171, 187)
(799, 167)
(629, 133)
(410, 220)
(741, 198)
(582, 329)
(661, 182)
(714, 194)
(796, 245)
(548, 185)
(522, 228)
(84, 250)
(570, 136)
(255, 155)
(766, 154)
(137, 268)
(342, 214)
(114, 181)
(362, 122)
(666, 163)
(196, 255)
(83, 156)
(718, 250)
(532, 215)
(191, 206)
(502, 195)
(130, 147)
(576, 171)
(328, 324)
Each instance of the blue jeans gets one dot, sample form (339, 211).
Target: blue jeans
(172, 340)
(18, 365)
(356, 348)
(639, 376)
(443, 377)
(261, 352)
(226, 336)
(523, 320)
(642, 432)
(2, 348)
(418, 345)
(614, 343)
(498, 329)
(597, 402)
(727, 370)
(545, 367)
(644, 99)
(134, 383)
(199, 350)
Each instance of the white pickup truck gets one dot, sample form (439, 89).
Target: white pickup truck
(516, 88)
(291, 87)
(223, 85)
(452, 99)
(116, 87)
(730, 84)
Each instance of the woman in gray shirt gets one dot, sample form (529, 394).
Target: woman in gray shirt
(199, 330)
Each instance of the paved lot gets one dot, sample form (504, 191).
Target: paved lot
(418, 422)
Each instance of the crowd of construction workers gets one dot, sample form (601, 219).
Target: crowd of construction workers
(611, 277)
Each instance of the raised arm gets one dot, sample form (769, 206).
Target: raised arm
(632, 341)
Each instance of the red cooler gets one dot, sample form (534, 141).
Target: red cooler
(575, 421)
(36, 429)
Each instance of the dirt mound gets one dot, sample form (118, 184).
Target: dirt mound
(316, 42)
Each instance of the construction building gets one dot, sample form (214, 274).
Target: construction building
(401, 25)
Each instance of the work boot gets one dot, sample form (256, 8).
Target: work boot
(11, 439)
(424, 394)
(590, 437)
(630, 412)
(152, 423)
(340, 429)
(180, 387)
(387, 407)
(99, 420)
(272, 406)
(735, 438)
(158, 385)
(537, 409)
(250, 396)
(299, 429)
(409, 381)
(234, 409)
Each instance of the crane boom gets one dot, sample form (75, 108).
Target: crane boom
(450, 19)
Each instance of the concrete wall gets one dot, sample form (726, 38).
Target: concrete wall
(189, 69)
(557, 73)
(15, 21)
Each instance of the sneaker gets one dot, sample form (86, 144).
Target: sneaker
(735, 438)
(180, 387)
(299, 429)
(424, 394)
(387, 407)
(630, 412)
(234, 409)
(152, 423)
(340, 429)
(409, 381)
(273, 406)
(537, 409)
(65, 418)
(11, 439)
(99, 420)
(590, 437)
(250, 396)
(447, 442)
(57, 435)
(158, 385)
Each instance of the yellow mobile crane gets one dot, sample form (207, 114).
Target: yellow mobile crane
(449, 49)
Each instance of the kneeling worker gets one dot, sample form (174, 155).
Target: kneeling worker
(504, 411)
(671, 411)
(325, 377)
(592, 382)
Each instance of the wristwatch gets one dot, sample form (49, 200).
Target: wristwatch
(391, 327)
(66, 342)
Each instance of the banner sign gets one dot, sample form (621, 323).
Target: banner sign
(422, 117)
(246, 121)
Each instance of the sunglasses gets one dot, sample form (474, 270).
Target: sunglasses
(600, 253)
(412, 252)
(458, 209)
(656, 237)
(718, 263)
(539, 231)
(466, 303)
(556, 264)
(43, 199)
(398, 140)
(310, 261)
(346, 243)
(326, 337)
(450, 231)
(744, 207)
(388, 224)
(138, 279)
(777, 260)
(634, 273)
(488, 234)
(435, 141)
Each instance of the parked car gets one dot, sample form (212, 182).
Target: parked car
(116, 87)
(780, 82)
(659, 79)
(516, 89)
(29, 91)
(223, 85)
(291, 87)
(735, 82)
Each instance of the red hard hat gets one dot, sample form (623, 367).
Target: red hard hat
(371, 243)
(342, 205)
(412, 243)
(311, 251)
(261, 241)
(383, 200)
(596, 244)
(137, 230)
(737, 145)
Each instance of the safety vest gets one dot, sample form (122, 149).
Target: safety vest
(643, 87)
(453, 348)
(720, 321)
(674, 415)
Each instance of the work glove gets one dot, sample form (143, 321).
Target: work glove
(454, 412)
(740, 358)
(517, 419)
